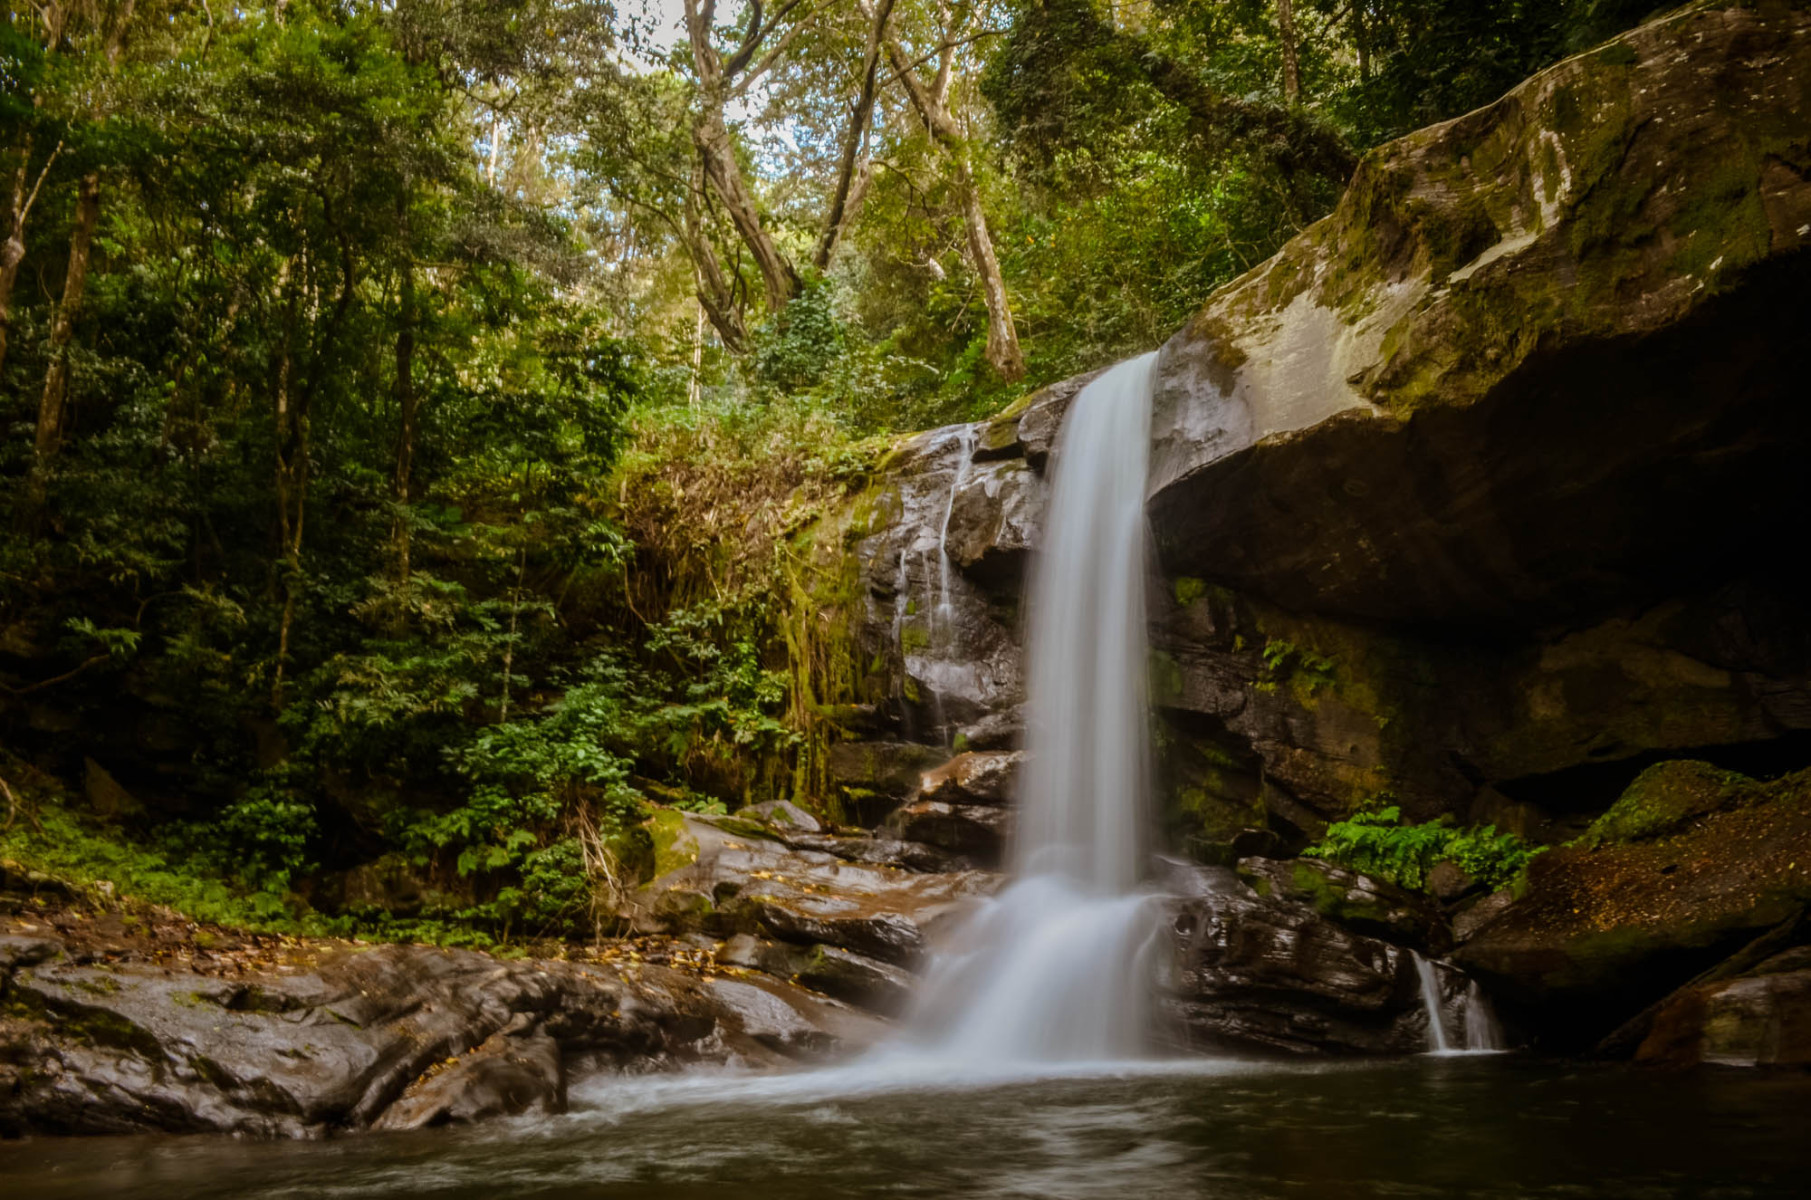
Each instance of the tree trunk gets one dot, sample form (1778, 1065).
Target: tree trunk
(717, 152)
(844, 200)
(407, 402)
(12, 250)
(1292, 68)
(1002, 335)
(290, 478)
(75, 283)
(778, 279)
(716, 294)
(1003, 351)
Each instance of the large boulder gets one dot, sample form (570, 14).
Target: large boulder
(1244, 971)
(319, 1038)
(977, 832)
(1355, 901)
(504, 1077)
(864, 982)
(1759, 1019)
(1531, 364)
(975, 777)
(1599, 933)
(719, 880)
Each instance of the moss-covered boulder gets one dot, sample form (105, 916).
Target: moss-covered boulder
(1601, 932)
(1663, 798)
(1356, 901)
(1535, 360)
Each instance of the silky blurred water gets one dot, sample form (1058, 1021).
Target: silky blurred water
(1480, 1127)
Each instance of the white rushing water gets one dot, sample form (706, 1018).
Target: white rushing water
(1051, 970)
(1482, 1033)
(1431, 1001)
(965, 451)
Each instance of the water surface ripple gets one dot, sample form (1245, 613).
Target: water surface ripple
(1480, 1127)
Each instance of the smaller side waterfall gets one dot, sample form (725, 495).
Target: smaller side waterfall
(1482, 1033)
(965, 450)
(1478, 1023)
(1430, 1000)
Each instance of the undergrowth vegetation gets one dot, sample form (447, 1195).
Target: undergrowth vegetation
(1380, 843)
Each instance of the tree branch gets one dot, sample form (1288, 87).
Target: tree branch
(63, 678)
(773, 54)
(25, 209)
(837, 214)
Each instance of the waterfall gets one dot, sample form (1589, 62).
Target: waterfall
(1430, 1000)
(965, 450)
(1052, 969)
(1482, 1033)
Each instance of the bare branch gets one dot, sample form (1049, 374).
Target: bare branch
(779, 48)
(25, 209)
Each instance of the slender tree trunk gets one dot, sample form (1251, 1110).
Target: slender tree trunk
(293, 407)
(496, 148)
(1292, 69)
(75, 282)
(930, 99)
(406, 403)
(694, 390)
(509, 647)
(1361, 38)
(844, 200)
(290, 479)
(1002, 334)
(12, 250)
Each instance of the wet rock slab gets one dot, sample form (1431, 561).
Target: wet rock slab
(337, 1040)
(722, 879)
(1242, 972)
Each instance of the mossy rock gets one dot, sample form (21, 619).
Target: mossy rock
(1358, 902)
(1662, 799)
(674, 846)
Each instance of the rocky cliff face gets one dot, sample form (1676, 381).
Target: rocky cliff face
(1478, 496)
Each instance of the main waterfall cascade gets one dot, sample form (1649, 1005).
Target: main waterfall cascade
(1051, 969)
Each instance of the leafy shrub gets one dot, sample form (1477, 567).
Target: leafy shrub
(264, 837)
(1378, 843)
(796, 349)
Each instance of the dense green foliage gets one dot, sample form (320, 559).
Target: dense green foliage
(406, 447)
(1379, 843)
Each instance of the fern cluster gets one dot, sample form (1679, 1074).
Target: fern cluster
(1379, 843)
